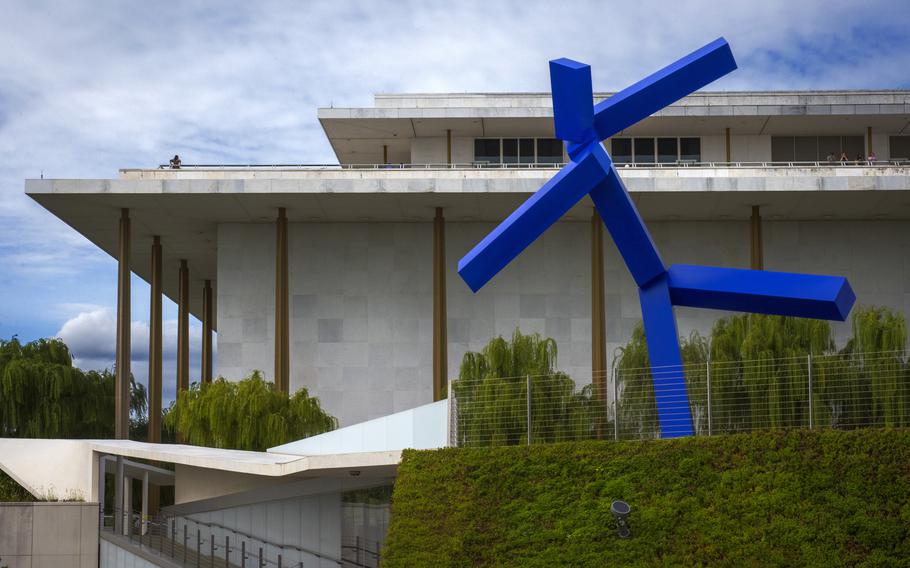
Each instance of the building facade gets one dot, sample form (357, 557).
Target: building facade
(342, 278)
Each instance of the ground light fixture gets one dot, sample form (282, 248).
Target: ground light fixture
(620, 510)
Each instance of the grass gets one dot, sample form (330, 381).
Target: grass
(782, 498)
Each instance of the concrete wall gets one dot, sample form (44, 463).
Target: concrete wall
(39, 535)
(361, 302)
(311, 522)
(112, 556)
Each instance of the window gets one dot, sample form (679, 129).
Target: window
(518, 150)
(621, 150)
(669, 150)
(487, 150)
(549, 151)
(644, 150)
(900, 147)
(815, 148)
(690, 149)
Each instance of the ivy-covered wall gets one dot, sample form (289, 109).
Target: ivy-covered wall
(782, 498)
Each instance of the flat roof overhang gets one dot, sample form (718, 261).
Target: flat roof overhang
(186, 207)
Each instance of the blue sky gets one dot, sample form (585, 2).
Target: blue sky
(90, 87)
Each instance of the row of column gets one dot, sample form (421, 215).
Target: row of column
(123, 367)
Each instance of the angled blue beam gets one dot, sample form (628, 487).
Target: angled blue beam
(670, 393)
(530, 220)
(621, 218)
(573, 97)
(663, 88)
(761, 291)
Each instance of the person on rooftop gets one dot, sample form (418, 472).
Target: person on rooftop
(175, 162)
(872, 157)
(843, 158)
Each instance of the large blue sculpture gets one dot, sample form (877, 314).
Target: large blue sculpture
(591, 172)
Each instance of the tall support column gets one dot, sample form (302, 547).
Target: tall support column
(207, 325)
(155, 344)
(385, 153)
(183, 328)
(598, 313)
(728, 145)
(758, 261)
(440, 317)
(122, 388)
(868, 140)
(118, 497)
(282, 334)
(448, 146)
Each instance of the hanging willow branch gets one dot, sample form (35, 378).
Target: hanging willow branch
(246, 415)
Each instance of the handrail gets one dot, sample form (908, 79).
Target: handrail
(901, 162)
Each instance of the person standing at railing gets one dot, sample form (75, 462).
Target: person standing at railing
(872, 158)
(830, 157)
(175, 162)
(843, 158)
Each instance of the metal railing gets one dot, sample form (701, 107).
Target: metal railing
(842, 391)
(190, 542)
(901, 162)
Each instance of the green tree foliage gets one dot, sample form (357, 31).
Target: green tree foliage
(823, 498)
(245, 415)
(492, 396)
(42, 395)
(759, 374)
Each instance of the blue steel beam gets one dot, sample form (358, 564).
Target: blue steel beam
(529, 221)
(573, 95)
(622, 219)
(660, 89)
(667, 374)
(761, 291)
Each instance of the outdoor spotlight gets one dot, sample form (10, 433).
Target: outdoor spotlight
(354, 472)
(621, 510)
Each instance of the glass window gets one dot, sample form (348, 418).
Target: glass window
(667, 150)
(510, 150)
(900, 147)
(829, 146)
(805, 148)
(486, 150)
(855, 147)
(549, 151)
(782, 149)
(526, 151)
(644, 151)
(690, 149)
(621, 150)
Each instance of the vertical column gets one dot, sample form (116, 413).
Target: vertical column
(758, 262)
(449, 146)
(122, 388)
(385, 153)
(145, 502)
(728, 145)
(868, 140)
(207, 320)
(183, 328)
(155, 347)
(282, 335)
(118, 497)
(598, 315)
(440, 317)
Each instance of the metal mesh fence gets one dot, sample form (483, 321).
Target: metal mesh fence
(844, 390)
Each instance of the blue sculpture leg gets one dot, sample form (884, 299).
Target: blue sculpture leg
(761, 291)
(667, 371)
(625, 224)
(529, 221)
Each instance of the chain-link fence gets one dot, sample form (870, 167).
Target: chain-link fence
(844, 390)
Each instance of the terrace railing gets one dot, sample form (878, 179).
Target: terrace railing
(841, 391)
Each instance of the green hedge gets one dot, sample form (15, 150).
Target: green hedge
(797, 498)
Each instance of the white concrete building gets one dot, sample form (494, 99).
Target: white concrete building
(342, 279)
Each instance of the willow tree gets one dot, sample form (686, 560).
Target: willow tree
(246, 415)
(492, 396)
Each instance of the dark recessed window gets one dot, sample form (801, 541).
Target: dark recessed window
(667, 150)
(510, 150)
(644, 151)
(782, 149)
(486, 150)
(900, 147)
(621, 150)
(526, 151)
(855, 147)
(805, 149)
(690, 149)
(549, 151)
